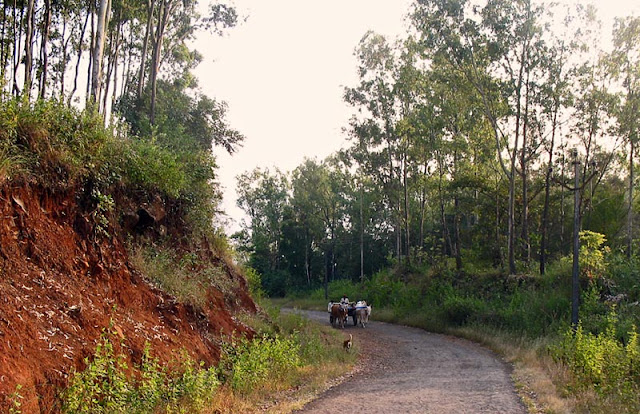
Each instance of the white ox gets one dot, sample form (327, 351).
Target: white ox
(362, 313)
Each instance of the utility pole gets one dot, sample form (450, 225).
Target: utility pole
(361, 234)
(577, 188)
(575, 276)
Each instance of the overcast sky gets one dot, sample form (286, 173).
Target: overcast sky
(283, 71)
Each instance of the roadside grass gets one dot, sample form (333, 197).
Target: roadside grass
(184, 275)
(299, 303)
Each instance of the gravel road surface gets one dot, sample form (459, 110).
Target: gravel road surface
(409, 370)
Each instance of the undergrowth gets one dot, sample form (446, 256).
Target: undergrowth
(185, 275)
(287, 352)
(106, 386)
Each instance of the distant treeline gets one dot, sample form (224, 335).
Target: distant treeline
(469, 140)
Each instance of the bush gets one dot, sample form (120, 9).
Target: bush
(55, 144)
(592, 255)
(251, 363)
(532, 312)
(148, 166)
(105, 387)
(602, 362)
(458, 310)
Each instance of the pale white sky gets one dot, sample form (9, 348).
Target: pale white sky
(283, 72)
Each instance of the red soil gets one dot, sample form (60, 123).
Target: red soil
(60, 286)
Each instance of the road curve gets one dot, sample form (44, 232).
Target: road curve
(409, 370)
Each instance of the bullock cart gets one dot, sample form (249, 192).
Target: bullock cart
(350, 312)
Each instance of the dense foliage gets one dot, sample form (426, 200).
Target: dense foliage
(161, 131)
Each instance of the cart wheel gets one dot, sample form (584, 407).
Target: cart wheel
(355, 320)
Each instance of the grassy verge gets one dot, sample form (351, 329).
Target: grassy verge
(321, 363)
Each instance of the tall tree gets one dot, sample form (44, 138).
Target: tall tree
(28, 48)
(625, 66)
(378, 146)
(104, 10)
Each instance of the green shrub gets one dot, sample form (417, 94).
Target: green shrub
(251, 363)
(254, 282)
(105, 387)
(102, 387)
(601, 361)
(147, 165)
(592, 255)
(624, 275)
(458, 310)
(532, 312)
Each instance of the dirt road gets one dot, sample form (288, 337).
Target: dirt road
(408, 370)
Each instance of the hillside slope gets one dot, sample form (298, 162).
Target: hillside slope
(62, 284)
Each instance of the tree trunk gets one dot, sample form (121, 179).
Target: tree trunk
(326, 277)
(575, 282)
(163, 15)
(498, 241)
(28, 49)
(3, 47)
(562, 197)
(127, 72)
(151, 4)
(44, 56)
(17, 47)
(333, 254)
(98, 51)
(65, 53)
(456, 219)
(458, 248)
(630, 207)
(447, 245)
(112, 69)
(306, 255)
(79, 59)
(406, 206)
(116, 54)
(91, 48)
(547, 193)
(524, 235)
(361, 233)
(423, 203)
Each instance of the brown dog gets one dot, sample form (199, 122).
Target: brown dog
(347, 343)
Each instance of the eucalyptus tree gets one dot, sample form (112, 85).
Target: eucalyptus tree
(376, 146)
(625, 67)
(305, 180)
(495, 47)
(592, 126)
(28, 47)
(103, 14)
(555, 97)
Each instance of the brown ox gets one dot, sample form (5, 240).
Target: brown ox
(338, 315)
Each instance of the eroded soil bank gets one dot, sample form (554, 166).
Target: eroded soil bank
(62, 283)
